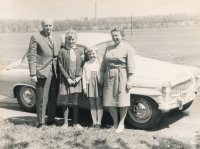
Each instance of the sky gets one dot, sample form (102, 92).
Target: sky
(76, 9)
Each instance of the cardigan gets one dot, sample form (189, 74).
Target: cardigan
(64, 61)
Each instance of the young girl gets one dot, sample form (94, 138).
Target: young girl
(91, 86)
(70, 63)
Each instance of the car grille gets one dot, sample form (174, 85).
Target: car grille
(178, 88)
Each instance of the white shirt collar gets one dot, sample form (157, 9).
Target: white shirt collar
(74, 47)
(96, 60)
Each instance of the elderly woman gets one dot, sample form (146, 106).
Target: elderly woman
(70, 64)
(116, 72)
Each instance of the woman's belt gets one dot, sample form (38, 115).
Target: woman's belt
(119, 74)
(116, 67)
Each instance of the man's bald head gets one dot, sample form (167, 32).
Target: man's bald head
(47, 25)
(47, 21)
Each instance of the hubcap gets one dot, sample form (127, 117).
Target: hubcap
(140, 110)
(27, 96)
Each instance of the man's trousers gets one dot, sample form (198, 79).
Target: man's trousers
(47, 91)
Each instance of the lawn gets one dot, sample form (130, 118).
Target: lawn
(20, 135)
(176, 45)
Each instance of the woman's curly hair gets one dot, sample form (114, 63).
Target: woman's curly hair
(118, 28)
(70, 33)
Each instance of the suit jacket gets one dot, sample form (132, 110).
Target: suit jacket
(42, 54)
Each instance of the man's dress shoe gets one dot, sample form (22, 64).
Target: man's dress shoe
(40, 125)
(49, 123)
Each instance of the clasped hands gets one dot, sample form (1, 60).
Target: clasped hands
(75, 81)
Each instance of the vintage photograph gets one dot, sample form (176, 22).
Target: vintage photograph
(99, 74)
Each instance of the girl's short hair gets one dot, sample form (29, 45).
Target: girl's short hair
(93, 48)
(70, 33)
(118, 28)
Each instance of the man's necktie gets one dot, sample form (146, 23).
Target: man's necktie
(50, 40)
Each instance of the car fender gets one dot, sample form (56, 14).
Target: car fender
(20, 84)
(147, 87)
(148, 92)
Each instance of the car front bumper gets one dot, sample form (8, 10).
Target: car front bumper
(177, 101)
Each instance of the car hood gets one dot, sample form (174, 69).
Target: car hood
(148, 68)
(14, 65)
(155, 69)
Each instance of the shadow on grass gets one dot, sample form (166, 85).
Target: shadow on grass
(85, 119)
(23, 120)
(84, 114)
(30, 121)
(97, 144)
(11, 144)
(122, 144)
(167, 143)
(197, 146)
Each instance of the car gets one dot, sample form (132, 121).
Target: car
(157, 86)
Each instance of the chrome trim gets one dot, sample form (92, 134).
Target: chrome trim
(181, 87)
(144, 87)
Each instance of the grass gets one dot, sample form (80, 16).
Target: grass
(25, 135)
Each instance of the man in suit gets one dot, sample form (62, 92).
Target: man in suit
(43, 51)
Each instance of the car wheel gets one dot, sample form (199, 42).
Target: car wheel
(26, 98)
(143, 112)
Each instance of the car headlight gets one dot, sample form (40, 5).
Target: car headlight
(166, 89)
(197, 74)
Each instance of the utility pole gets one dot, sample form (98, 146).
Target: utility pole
(95, 17)
(131, 24)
